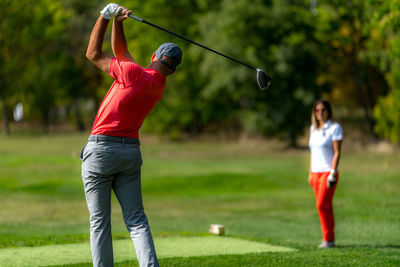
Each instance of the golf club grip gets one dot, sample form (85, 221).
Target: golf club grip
(190, 41)
(135, 17)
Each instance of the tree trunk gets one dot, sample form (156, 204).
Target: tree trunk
(366, 101)
(46, 120)
(6, 124)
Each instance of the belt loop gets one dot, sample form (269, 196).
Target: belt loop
(123, 141)
(97, 138)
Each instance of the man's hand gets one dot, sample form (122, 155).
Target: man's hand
(123, 15)
(331, 180)
(111, 10)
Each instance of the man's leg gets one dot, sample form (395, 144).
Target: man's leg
(127, 188)
(98, 199)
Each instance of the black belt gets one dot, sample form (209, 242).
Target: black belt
(116, 139)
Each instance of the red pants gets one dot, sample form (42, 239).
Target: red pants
(324, 198)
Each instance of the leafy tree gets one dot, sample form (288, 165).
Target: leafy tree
(208, 89)
(30, 54)
(46, 45)
(81, 80)
(276, 36)
(11, 56)
(384, 53)
(344, 28)
(346, 49)
(46, 58)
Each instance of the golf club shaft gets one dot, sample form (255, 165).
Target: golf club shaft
(190, 41)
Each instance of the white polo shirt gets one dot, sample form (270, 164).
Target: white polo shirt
(321, 145)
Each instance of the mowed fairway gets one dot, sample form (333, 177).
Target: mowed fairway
(256, 189)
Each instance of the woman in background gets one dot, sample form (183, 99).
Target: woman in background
(325, 143)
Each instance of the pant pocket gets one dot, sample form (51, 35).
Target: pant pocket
(82, 153)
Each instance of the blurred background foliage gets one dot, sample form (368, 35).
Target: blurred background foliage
(347, 51)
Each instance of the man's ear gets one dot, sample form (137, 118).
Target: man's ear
(153, 57)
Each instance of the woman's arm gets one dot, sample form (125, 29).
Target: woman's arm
(331, 179)
(337, 145)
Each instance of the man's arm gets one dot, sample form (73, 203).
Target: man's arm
(94, 51)
(118, 41)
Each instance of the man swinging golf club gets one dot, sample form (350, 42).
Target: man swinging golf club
(111, 160)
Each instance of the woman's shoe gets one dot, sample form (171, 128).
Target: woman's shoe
(326, 244)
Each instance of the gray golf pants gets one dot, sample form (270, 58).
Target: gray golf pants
(115, 165)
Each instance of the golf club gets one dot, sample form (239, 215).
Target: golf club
(263, 79)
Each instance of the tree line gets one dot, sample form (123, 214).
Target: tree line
(345, 50)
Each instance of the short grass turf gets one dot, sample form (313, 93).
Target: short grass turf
(166, 247)
(256, 189)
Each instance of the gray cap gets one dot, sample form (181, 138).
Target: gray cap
(172, 51)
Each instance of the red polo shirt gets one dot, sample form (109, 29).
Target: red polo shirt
(130, 99)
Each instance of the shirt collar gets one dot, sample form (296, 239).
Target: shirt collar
(159, 76)
(327, 124)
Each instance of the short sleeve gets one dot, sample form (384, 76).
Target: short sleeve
(337, 133)
(124, 72)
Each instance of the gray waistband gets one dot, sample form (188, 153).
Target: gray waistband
(116, 139)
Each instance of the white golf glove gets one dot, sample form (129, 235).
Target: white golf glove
(111, 10)
(331, 179)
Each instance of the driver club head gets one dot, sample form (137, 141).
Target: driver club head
(263, 79)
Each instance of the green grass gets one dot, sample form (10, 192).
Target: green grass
(257, 190)
(167, 247)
